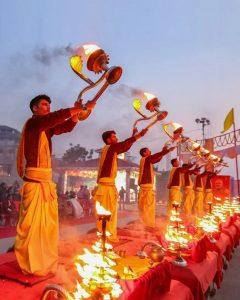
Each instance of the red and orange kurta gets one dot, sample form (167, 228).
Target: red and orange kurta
(188, 193)
(174, 186)
(199, 195)
(146, 197)
(107, 194)
(208, 195)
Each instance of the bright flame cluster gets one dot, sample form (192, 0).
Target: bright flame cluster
(101, 210)
(220, 212)
(149, 96)
(236, 205)
(176, 235)
(95, 267)
(208, 223)
(98, 277)
(89, 49)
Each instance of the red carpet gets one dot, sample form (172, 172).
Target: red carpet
(11, 271)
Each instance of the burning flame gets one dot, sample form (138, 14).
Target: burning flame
(97, 247)
(99, 234)
(76, 63)
(175, 126)
(149, 96)
(196, 146)
(97, 276)
(95, 267)
(205, 152)
(208, 223)
(101, 210)
(236, 206)
(137, 104)
(219, 211)
(90, 48)
(176, 235)
(95, 259)
(81, 293)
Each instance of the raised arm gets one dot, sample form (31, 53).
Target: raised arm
(64, 127)
(124, 146)
(187, 168)
(53, 119)
(155, 158)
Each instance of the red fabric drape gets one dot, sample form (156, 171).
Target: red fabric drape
(155, 281)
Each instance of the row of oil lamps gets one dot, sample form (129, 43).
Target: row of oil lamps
(96, 265)
(178, 238)
(99, 279)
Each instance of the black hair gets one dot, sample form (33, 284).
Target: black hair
(37, 99)
(107, 134)
(142, 151)
(173, 161)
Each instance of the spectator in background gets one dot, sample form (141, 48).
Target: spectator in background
(82, 199)
(122, 193)
(80, 195)
(87, 210)
(3, 197)
(86, 193)
(16, 191)
(76, 207)
(92, 201)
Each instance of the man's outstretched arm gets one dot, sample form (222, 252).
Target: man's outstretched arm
(124, 146)
(58, 117)
(155, 158)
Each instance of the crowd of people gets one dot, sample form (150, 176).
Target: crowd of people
(72, 204)
(78, 204)
(9, 203)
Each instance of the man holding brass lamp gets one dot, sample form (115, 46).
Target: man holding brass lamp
(36, 245)
(146, 198)
(106, 193)
(175, 183)
(208, 193)
(199, 193)
(188, 193)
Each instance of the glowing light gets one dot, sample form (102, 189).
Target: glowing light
(208, 223)
(97, 275)
(205, 152)
(196, 146)
(219, 212)
(175, 234)
(149, 96)
(76, 63)
(137, 104)
(80, 293)
(90, 48)
(101, 210)
(99, 279)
